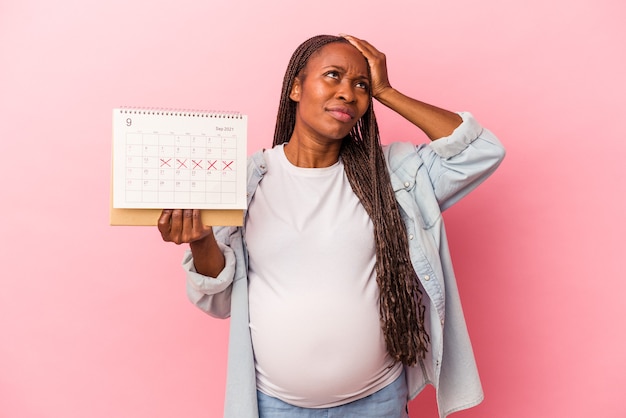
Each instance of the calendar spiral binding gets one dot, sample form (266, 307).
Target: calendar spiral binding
(218, 114)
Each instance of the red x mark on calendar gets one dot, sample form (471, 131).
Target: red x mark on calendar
(182, 163)
(165, 163)
(211, 165)
(227, 165)
(196, 164)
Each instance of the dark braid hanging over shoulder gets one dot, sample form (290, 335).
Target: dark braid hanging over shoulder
(401, 307)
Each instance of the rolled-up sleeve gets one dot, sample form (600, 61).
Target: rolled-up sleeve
(458, 163)
(211, 294)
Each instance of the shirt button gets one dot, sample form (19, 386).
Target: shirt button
(407, 184)
(427, 277)
(411, 236)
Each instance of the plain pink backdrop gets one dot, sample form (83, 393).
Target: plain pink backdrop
(94, 320)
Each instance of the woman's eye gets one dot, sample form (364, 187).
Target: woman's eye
(332, 74)
(362, 85)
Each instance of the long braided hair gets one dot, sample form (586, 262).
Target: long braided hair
(401, 306)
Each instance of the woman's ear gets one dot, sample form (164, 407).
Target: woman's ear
(295, 90)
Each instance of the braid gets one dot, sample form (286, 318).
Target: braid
(402, 309)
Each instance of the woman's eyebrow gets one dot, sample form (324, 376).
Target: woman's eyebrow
(343, 70)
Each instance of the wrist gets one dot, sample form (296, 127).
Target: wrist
(386, 95)
(203, 243)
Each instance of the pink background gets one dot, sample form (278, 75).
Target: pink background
(94, 320)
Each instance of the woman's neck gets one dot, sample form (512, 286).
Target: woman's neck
(310, 153)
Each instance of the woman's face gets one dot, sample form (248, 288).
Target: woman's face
(332, 92)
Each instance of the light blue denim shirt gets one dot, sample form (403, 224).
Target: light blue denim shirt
(427, 179)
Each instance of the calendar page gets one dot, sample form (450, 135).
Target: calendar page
(176, 159)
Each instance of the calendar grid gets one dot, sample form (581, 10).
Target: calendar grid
(162, 168)
(180, 169)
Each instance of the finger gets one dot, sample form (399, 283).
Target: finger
(187, 225)
(363, 46)
(163, 224)
(197, 226)
(176, 226)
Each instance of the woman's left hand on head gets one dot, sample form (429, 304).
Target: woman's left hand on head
(377, 63)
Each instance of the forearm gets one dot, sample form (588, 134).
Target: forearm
(434, 121)
(208, 259)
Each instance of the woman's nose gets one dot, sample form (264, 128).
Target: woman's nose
(346, 92)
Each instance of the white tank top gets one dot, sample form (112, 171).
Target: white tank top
(314, 316)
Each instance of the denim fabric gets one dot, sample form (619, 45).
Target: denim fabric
(389, 402)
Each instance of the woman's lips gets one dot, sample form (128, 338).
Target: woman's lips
(342, 114)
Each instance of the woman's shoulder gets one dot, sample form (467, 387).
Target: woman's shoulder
(397, 153)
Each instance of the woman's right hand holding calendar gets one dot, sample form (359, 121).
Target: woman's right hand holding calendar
(185, 226)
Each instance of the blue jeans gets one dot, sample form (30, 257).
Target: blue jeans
(389, 402)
